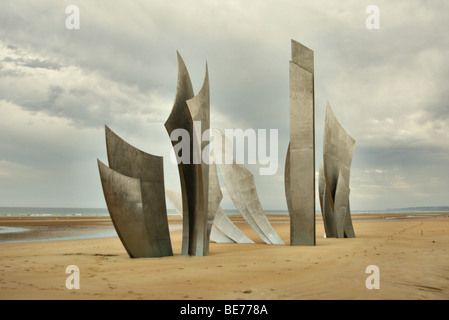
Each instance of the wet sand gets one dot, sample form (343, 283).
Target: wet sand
(411, 251)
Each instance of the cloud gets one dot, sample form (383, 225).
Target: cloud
(81, 96)
(387, 87)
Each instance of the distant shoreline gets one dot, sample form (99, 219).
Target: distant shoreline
(79, 219)
(54, 212)
(14, 229)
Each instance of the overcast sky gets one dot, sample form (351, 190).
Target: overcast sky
(59, 87)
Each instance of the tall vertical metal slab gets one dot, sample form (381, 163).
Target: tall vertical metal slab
(214, 198)
(321, 185)
(327, 213)
(287, 180)
(199, 107)
(338, 148)
(193, 174)
(300, 162)
(180, 118)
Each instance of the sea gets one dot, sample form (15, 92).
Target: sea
(10, 234)
(48, 212)
(37, 233)
(56, 212)
(33, 233)
(93, 212)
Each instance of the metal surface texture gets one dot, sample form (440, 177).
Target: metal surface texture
(241, 187)
(300, 160)
(140, 222)
(134, 163)
(214, 198)
(180, 118)
(349, 228)
(219, 237)
(341, 205)
(199, 107)
(188, 108)
(287, 180)
(215, 234)
(321, 186)
(225, 225)
(338, 148)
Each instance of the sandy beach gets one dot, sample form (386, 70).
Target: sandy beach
(410, 250)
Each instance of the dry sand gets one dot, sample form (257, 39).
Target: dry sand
(412, 255)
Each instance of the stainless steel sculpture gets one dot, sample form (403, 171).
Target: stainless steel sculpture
(194, 175)
(227, 227)
(223, 229)
(241, 187)
(219, 237)
(214, 196)
(133, 187)
(176, 200)
(216, 214)
(326, 211)
(334, 178)
(300, 161)
(133, 184)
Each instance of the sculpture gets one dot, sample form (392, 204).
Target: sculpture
(133, 187)
(220, 228)
(194, 175)
(216, 214)
(227, 227)
(176, 200)
(241, 187)
(214, 196)
(334, 178)
(223, 229)
(133, 184)
(300, 161)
